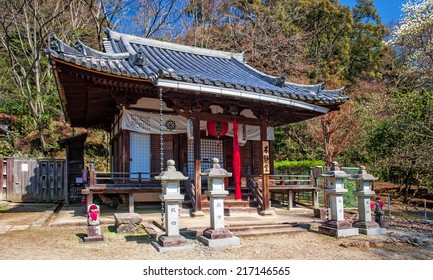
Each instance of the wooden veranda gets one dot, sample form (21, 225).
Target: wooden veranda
(108, 183)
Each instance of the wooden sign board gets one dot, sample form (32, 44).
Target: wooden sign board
(265, 153)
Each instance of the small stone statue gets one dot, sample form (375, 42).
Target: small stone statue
(93, 215)
(93, 225)
(380, 215)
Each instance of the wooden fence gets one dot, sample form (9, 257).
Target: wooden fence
(33, 180)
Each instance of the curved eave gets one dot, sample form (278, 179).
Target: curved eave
(88, 98)
(239, 94)
(62, 95)
(55, 60)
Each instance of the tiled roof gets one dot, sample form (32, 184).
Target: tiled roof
(152, 60)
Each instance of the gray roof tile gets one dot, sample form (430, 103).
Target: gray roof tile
(188, 64)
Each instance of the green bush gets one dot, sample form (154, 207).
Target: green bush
(296, 167)
(350, 198)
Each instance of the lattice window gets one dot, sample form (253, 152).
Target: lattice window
(210, 148)
(140, 154)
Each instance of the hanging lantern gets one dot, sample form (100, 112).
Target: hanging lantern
(217, 129)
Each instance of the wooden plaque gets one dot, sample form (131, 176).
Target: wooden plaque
(265, 153)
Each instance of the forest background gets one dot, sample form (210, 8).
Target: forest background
(387, 70)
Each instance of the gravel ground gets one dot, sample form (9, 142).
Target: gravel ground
(406, 239)
(44, 243)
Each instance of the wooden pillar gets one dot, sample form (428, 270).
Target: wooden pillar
(290, 201)
(89, 199)
(92, 183)
(10, 180)
(265, 168)
(66, 181)
(131, 202)
(315, 199)
(197, 165)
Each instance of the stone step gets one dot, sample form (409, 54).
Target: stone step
(239, 228)
(228, 203)
(251, 230)
(268, 231)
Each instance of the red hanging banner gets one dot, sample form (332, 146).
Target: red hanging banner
(236, 161)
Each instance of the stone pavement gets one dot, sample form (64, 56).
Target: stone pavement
(75, 215)
(21, 216)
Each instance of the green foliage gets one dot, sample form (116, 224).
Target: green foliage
(366, 42)
(401, 144)
(294, 141)
(350, 199)
(296, 167)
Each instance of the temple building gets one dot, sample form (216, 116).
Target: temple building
(161, 101)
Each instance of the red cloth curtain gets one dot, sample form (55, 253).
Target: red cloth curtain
(236, 161)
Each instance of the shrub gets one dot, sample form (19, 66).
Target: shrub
(296, 167)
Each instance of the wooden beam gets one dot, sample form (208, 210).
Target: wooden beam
(227, 118)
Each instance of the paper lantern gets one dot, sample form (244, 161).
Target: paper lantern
(217, 129)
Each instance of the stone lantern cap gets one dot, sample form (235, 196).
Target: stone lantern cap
(171, 174)
(216, 171)
(335, 172)
(362, 175)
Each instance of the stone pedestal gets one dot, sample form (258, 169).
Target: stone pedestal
(171, 240)
(217, 235)
(93, 234)
(219, 238)
(336, 226)
(365, 223)
(127, 222)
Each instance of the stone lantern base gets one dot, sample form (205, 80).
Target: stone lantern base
(338, 229)
(172, 243)
(369, 228)
(219, 238)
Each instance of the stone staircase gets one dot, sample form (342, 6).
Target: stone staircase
(270, 229)
(231, 205)
(239, 230)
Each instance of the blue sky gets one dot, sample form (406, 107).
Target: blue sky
(389, 10)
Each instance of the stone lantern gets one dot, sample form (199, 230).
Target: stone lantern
(337, 225)
(171, 196)
(365, 224)
(217, 235)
